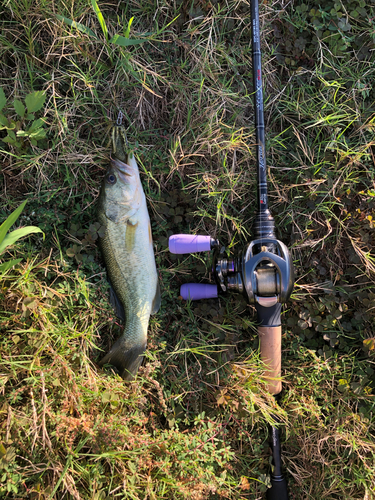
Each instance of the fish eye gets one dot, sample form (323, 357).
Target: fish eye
(111, 179)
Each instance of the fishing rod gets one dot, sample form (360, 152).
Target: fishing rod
(262, 272)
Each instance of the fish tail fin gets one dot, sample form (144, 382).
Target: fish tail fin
(125, 360)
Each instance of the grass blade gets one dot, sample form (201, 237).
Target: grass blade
(125, 42)
(15, 235)
(7, 265)
(127, 31)
(100, 17)
(3, 99)
(8, 223)
(80, 27)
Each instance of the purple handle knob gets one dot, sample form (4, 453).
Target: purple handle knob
(189, 243)
(197, 291)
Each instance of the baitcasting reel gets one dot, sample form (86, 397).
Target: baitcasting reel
(263, 272)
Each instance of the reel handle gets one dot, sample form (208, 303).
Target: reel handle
(190, 243)
(198, 291)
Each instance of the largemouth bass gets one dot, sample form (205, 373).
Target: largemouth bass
(128, 253)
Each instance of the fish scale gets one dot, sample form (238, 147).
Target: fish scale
(128, 253)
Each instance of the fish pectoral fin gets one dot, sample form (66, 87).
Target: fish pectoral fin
(131, 229)
(116, 303)
(125, 360)
(157, 300)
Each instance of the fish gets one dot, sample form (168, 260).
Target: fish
(127, 248)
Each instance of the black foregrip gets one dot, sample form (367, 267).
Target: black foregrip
(269, 316)
(279, 490)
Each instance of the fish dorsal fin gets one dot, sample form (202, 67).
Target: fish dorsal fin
(157, 300)
(116, 303)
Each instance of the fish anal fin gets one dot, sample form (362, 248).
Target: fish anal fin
(157, 300)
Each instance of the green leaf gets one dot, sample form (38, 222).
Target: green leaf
(3, 121)
(80, 27)
(343, 25)
(343, 385)
(30, 116)
(3, 99)
(35, 100)
(12, 135)
(15, 235)
(36, 133)
(8, 223)
(100, 17)
(40, 133)
(7, 265)
(127, 32)
(9, 140)
(70, 252)
(36, 124)
(106, 396)
(19, 107)
(125, 42)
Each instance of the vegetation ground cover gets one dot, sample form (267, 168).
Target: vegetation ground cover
(194, 423)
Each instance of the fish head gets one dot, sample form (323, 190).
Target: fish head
(122, 193)
(122, 190)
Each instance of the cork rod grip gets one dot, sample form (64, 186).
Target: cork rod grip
(270, 353)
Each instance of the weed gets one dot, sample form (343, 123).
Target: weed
(27, 127)
(9, 238)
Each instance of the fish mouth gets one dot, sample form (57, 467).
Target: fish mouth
(120, 146)
(121, 167)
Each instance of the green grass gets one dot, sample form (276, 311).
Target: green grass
(194, 423)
